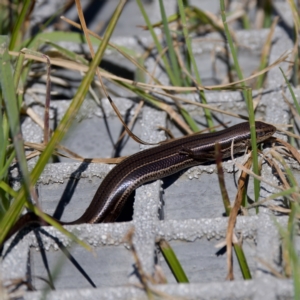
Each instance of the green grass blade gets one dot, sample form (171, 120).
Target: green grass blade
(11, 105)
(203, 17)
(265, 55)
(193, 62)
(157, 43)
(17, 75)
(5, 187)
(59, 227)
(231, 46)
(68, 54)
(268, 13)
(19, 24)
(246, 22)
(4, 197)
(189, 120)
(6, 164)
(18, 69)
(174, 74)
(55, 37)
(3, 138)
(171, 51)
(173, 262)
(230, 42)
(292, 92)
(242, 262)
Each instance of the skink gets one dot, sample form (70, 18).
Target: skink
(155, 163)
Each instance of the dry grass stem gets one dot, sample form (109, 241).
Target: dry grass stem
(143, 277)
(242, 184)
(291, 107)
(271, 269)
(128, 57)
(150, 87)
(133, 119)
(72, 155)
(290, 148)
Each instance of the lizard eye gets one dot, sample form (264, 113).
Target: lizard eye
(260, 134)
